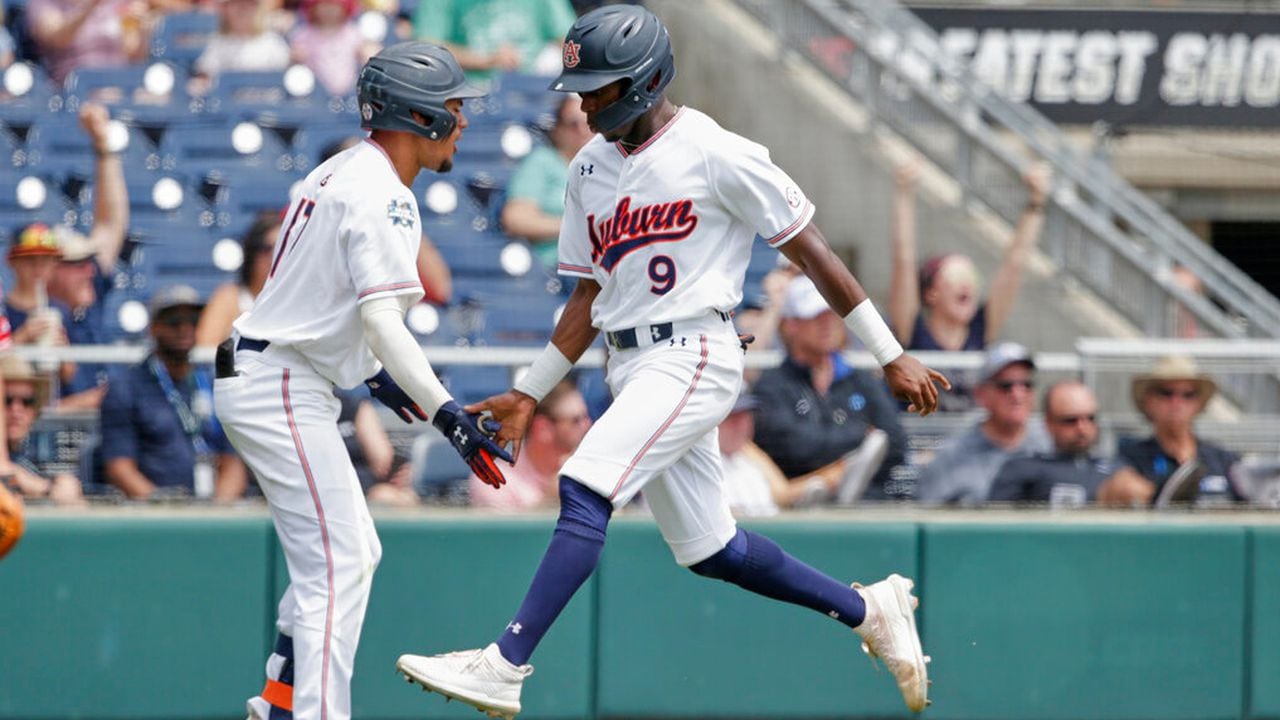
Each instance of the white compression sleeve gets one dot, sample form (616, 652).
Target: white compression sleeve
(866, 323)
(549, 369)
(393, 344)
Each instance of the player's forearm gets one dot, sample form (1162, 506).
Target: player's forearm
(811, 253)
(394, 346)
(124, 474)
(575, 333)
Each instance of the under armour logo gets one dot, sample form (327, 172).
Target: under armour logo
(459, 437)
(834, 615)
(586, 169)
(515, 628)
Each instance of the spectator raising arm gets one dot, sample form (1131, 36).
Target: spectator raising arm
(904, 290)
(110, 198)
(1008, 277)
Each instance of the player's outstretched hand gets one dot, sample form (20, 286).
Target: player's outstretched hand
(514, 411)
(910, 380)
(469, 434)
(382, 387)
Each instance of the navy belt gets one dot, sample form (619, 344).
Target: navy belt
(656, 333)
(245, 343)
(627, 339)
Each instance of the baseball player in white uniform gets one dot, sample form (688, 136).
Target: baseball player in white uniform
(332, 314)
(661, 211)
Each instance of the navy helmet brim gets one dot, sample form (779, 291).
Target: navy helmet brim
(585, 81)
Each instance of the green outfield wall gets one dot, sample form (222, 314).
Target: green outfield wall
(147, 617)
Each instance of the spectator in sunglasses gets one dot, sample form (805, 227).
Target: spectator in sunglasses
(1170, 397)
(965, 464)
(25, 394)
(159, 436)
(1071, 475)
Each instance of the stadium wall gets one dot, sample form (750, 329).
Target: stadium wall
(138, 616)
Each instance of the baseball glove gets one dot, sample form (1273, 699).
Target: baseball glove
(11, 522)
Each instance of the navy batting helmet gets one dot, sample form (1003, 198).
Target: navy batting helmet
(407, 78)
(618, 42)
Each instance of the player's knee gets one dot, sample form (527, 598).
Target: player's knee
(583, 512)
(727, 563)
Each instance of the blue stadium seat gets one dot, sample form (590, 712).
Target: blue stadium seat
(182, 36)
(122, 91)
(58, 145)
(262, 94)
(469, 252)
(312, 140)
(36, 103)
(208, 146)
(523, 99)
(53, 205)
(439, 473)
(472, 383)
(248, 191)
(510, 311)
(763, 260)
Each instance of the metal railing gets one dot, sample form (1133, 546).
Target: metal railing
(1243, 368)
(1100, 230)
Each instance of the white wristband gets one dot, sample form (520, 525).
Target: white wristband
(865, 322)
(549, 369)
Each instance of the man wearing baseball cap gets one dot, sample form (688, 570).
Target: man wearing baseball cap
(158, 429)
(965, 464)
(815, 408)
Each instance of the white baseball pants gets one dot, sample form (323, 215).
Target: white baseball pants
(660, 434)
(281, 416)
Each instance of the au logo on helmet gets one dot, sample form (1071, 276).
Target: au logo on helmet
(571, 49)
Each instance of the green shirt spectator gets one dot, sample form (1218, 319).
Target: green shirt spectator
(489, 35)
(535, 195)
(541, 179)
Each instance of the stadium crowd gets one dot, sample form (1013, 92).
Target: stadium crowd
(813, 431)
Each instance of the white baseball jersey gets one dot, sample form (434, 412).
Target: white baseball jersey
(351, 234)
(666, 229)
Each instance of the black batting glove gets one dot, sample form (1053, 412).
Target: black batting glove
(382, 387)
(470, 436)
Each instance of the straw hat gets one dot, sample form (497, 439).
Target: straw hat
(1173, 367)
(15, 369)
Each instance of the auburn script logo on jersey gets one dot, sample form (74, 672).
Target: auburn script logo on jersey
(629, 229)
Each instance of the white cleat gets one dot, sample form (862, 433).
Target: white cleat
(480, 678)
(889, 633)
